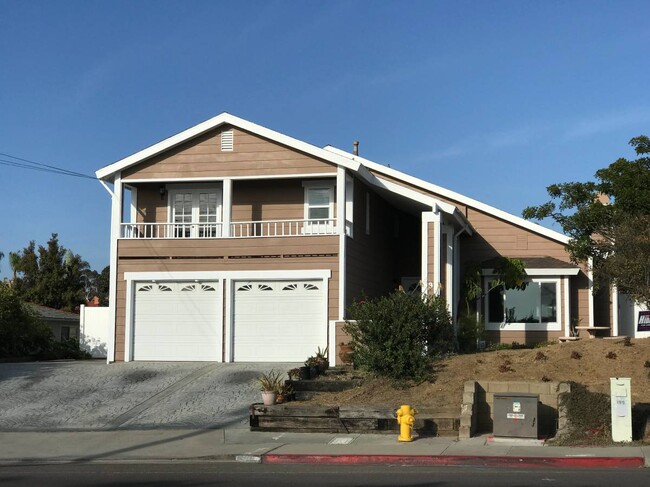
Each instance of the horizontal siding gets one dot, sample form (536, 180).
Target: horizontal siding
(522, 337)
(376, 262)
(228, 247)
(252, 156)
(268, 200)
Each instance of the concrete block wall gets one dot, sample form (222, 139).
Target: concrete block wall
(478, 404)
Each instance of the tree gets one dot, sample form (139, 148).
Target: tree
(103, 285)
(608, 221)
(54, 277)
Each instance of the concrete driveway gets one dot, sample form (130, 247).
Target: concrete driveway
(91, 395)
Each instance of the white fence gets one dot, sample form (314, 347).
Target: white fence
(94, 330)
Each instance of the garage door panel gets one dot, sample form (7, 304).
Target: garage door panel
(177, 321)
(279, 320)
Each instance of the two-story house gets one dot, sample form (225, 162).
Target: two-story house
(234, 242)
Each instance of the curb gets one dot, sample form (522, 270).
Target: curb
(458, 460)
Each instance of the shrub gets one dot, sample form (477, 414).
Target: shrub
(588, 415)
(21, 333)
(397, 336)
(611, 355)
(576, 355)
(470, 332)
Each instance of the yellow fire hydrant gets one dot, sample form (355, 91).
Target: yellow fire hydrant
(405, 419)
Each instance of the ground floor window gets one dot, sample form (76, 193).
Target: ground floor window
(535, 307)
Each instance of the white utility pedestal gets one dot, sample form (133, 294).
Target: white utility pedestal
(621, 394)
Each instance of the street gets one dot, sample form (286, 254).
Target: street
(229, 474)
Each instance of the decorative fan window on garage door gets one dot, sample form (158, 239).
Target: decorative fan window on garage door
(278, 321)
(177, 321)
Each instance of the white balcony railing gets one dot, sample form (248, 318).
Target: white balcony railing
(269, 228)
(171, 230)
(282, 228)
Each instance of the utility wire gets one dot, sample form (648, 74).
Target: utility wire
(37, 166)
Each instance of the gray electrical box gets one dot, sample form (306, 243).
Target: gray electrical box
(515, 414)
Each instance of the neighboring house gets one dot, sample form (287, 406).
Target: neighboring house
(244, 244)
(64, 325)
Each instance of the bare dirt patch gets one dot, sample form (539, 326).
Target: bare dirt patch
(589, 361)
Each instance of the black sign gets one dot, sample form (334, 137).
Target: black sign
(644, 321)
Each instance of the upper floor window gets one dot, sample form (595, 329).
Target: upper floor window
(196, 213)
(319, 207)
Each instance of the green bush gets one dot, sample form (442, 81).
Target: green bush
(397, 336)
(589, 417)
(21, 334)
(470, 332)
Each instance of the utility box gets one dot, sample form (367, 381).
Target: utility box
(515, 414)
(621, 398)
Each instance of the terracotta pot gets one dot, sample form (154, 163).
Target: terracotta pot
(269, 397)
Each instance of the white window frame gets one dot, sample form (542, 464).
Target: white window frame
(195, 191)
(541, 326)
(313, 225)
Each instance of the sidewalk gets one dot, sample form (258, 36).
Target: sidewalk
(239, 444)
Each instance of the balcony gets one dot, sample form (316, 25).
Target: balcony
(246, 229)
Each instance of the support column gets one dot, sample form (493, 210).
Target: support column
(116, 220)
(226, 206)
(340, 230)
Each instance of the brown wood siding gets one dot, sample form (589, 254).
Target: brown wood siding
(494, 237)
(282, 199)
(224, 254)
(202, 157)
(150, 207)
(376, 262)
(229, 247)
(522, 337)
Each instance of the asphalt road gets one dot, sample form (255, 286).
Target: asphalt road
(233, 474)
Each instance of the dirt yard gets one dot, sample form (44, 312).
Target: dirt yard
(589, 361)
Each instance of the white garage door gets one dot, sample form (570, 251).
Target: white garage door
(177, 321)
(278, 321)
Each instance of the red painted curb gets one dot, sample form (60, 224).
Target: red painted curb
(458, 460)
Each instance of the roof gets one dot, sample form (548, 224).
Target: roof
(452, 195)
(365, 168)
(51, 314)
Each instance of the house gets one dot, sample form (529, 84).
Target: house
(241, 243)
(64, 325)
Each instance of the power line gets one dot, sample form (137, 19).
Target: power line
(37, 166)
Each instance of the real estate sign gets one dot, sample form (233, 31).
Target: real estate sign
(644, 321)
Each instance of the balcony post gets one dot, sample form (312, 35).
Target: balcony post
(226, 205)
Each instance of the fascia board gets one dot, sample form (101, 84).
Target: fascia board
(560, 271)
(534, 227)
(222, 119)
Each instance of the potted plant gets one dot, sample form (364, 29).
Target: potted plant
(294, 374)
(314, 366)
(321, 358)
(285, 393)
(270, 383)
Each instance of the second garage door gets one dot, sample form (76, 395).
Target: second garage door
(278, 321)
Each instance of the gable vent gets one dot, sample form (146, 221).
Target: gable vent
(227, 140)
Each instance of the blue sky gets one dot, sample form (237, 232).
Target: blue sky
(495, 100)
